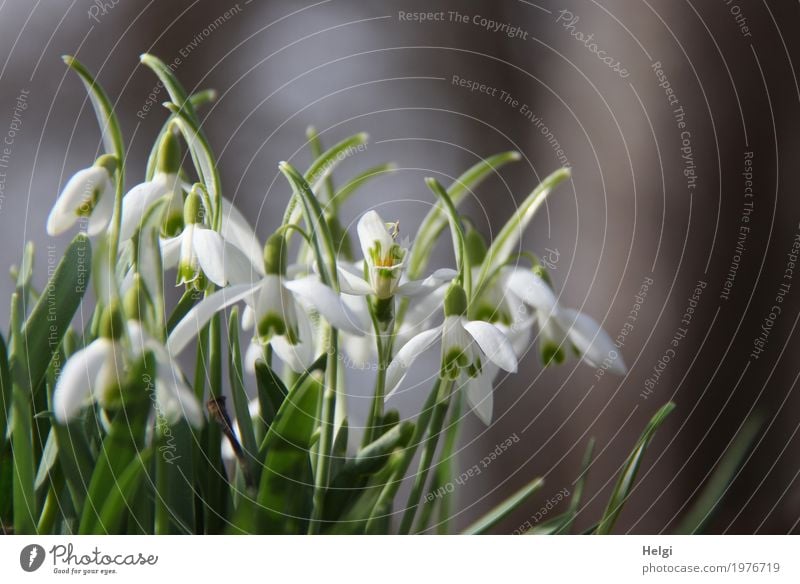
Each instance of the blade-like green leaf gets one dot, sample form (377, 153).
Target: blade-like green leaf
(177, 93)
(106, 118)
(286, 489)
(5, 393)
(358, 181)
(321, 238)
(202, 157)
(436, 219)
(320, 169)
(459, 245)
(25, 508)
(50, 318)
(197, 100)
(271, 393)
(561, 524)
(46, 461)
(716, 487)
(627, 477)
(508, 239)
(496, 515)
(121, 496)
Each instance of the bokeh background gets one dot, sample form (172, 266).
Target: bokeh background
(649, 201)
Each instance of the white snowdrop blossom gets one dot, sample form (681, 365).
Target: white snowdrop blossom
(381, 274)
(94, 374)
(89, 195)
(277, 307)
(165, 183)
(468, 347)
(202, 254)
(559, 327)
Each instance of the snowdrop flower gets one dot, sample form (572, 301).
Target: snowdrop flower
(561, 327)
(467, 348)
(89, 194)
(278, 308)
(165, 183)
(381, 275)
(95, 373)
(201, 254)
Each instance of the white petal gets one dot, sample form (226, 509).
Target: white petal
(406, 356)
(199, 315)
(351, 282)
(479, 393)
(372, 229)
(209, 250)
(429, 284)
(328, 303)
(78, 189)
(136, 202)
(74, 385)
(593, 343)
(175, 399)
(299, 357)
(237, 230)
(253, 353)
(532, 289)
(494, 344)
(171, 251)
(248, 318)
(102, 212)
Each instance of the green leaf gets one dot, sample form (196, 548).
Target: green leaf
(508, 239)
(627, 477)
(358, 181)
(706, 504)
(122, 444)
(459, 245)
(271, 392)
(319, 171)
(47, 460)
(5, 393)
(197, 100)
(185, 304)
(286, 489)
(55, 308)
(25, 508)
(202, 157)
(76, 460)
(561, 524)
(177, 93)
(25, 271)
(121, 496)
(106, 118)
(322, 240)
(436, 219)
(496, 515)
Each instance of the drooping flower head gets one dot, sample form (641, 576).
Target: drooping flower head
(166, 182)
(88, 195)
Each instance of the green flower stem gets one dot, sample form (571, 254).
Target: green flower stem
(384, 333)
(390, 489)
(428, 450)
(324, 450)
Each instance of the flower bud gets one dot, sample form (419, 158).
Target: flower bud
(136, 299)
(112, 322)
(455, 301)
(275, 255)
(169, 153)
(193, 208)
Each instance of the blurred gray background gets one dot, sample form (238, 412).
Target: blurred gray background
(638, 207)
